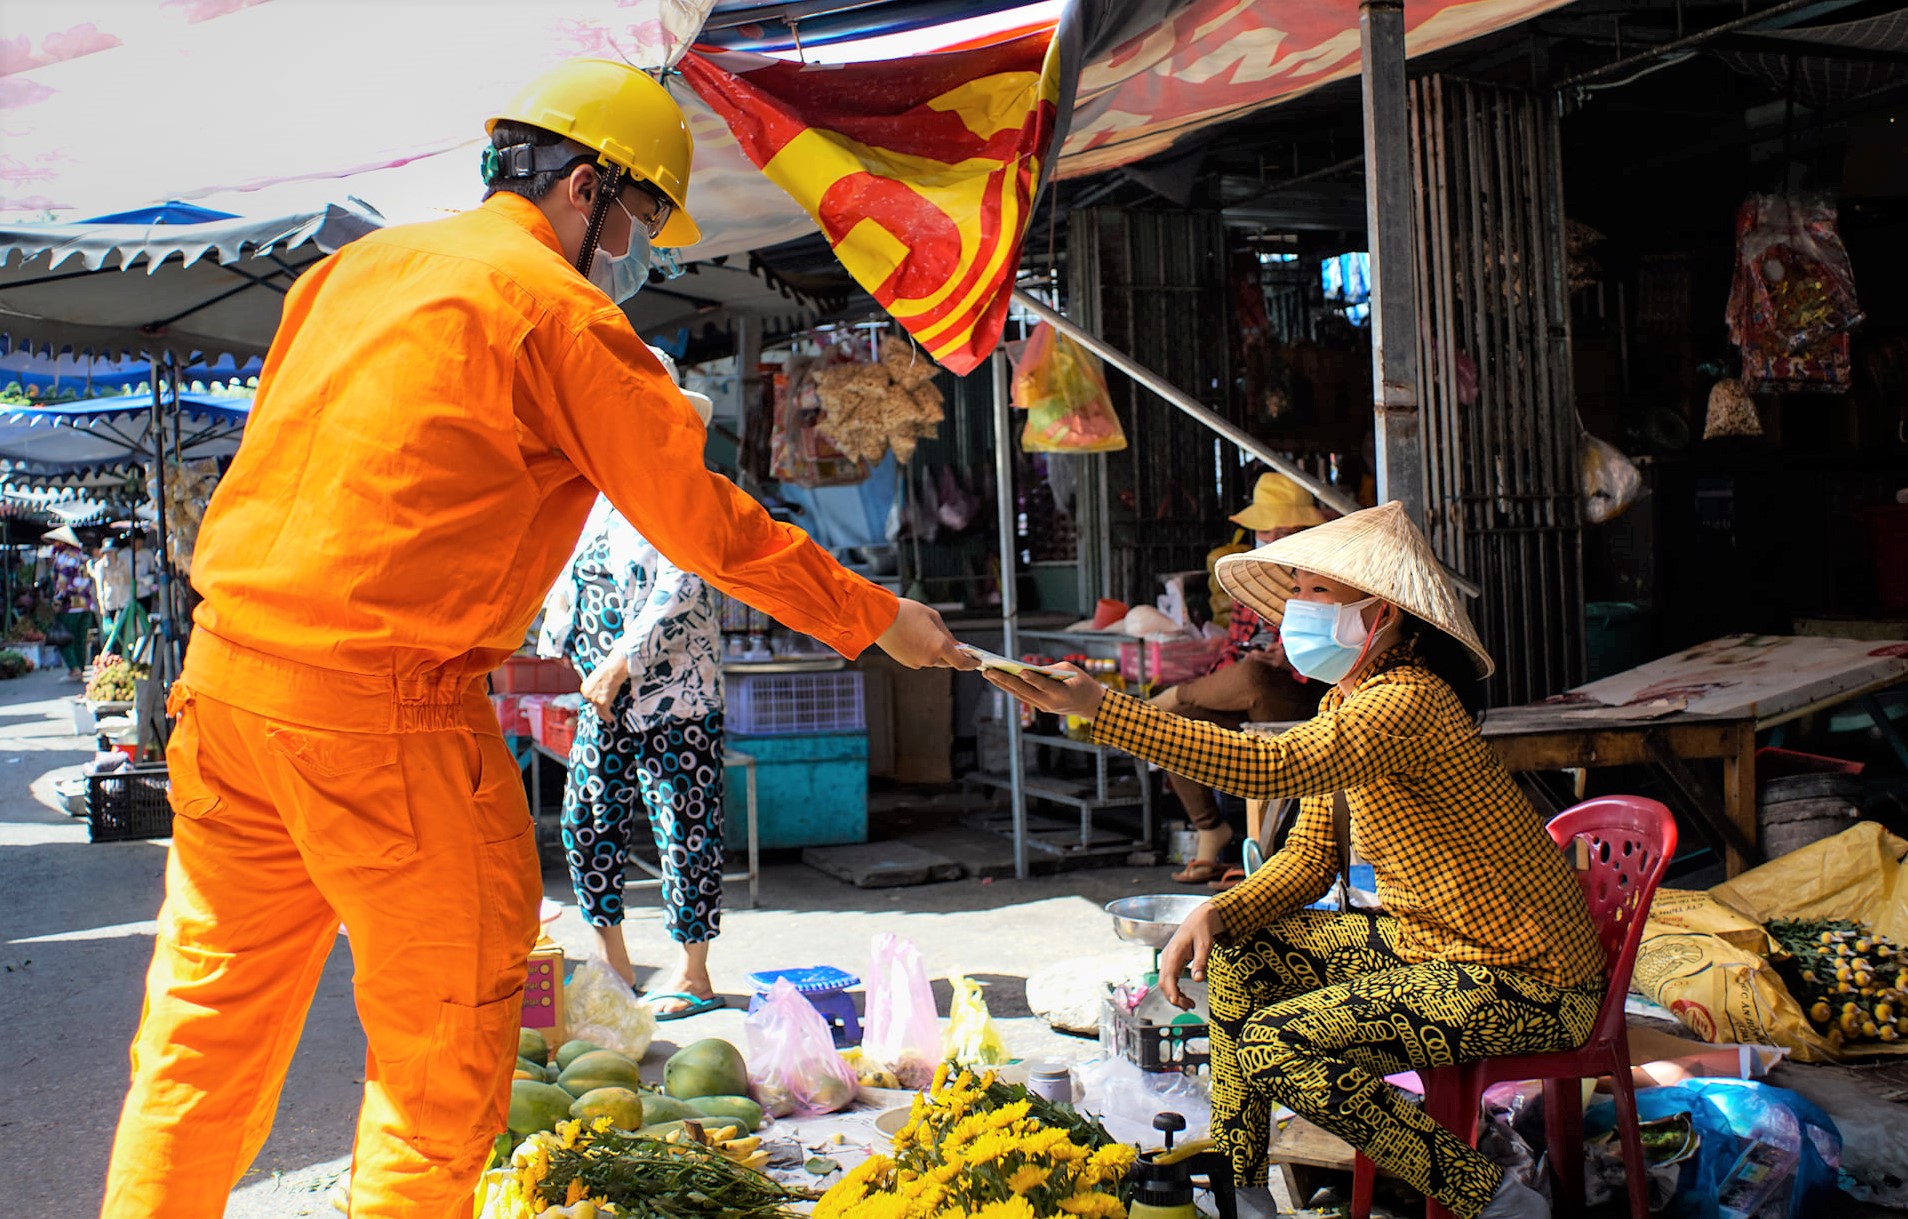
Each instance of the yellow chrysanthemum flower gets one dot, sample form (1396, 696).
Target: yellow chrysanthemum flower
(1027, 1178)
(1093, 1205)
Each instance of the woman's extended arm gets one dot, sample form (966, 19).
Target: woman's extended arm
(1370, 736)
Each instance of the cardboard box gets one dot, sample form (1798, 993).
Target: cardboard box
(543, 993)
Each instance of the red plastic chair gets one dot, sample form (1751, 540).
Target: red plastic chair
(1630, 842)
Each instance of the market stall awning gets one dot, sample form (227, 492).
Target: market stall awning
(214, 287)
(57, 377)
(1129, 79)
(103, 440)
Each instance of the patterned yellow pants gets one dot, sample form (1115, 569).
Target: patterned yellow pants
(1315, 1011)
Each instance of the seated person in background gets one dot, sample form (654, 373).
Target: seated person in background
(1249, 682)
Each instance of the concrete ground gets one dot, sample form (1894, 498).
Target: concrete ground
(76, 921)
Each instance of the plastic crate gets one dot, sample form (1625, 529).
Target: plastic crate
(793, 704)
(534, 675)
(1181, 1048)
(1168, 662)
(124, 805)
(555, 727)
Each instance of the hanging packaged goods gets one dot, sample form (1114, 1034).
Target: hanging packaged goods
(1792, 303)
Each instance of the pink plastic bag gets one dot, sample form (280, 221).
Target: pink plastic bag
(793, 1066)
(902, 1032)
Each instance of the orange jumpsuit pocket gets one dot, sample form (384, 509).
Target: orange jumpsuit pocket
(462, 1097)
(186, 788)
(347, 803)
(502, 810)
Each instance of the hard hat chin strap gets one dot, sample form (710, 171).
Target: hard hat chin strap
(609, 182)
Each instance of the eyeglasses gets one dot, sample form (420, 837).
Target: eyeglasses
(660, 210)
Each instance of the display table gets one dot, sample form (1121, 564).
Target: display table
(1706, 702)
(730, 760)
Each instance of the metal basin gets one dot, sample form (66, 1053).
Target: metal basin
(1151, 919)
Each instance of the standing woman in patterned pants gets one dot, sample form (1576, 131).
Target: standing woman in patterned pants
(645, 636)
(1485, 947)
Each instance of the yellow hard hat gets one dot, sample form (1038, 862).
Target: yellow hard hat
(624, 116)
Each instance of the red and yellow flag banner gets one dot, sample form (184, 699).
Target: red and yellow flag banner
(921, 172)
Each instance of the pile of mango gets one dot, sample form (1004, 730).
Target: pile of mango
(704, 1097)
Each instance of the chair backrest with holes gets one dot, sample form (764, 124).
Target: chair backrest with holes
(1628, 843)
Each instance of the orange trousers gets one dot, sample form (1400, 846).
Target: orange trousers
(420, 843)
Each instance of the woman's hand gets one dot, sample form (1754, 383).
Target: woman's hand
(1190, 945)
(602, 686)
(1075, 694)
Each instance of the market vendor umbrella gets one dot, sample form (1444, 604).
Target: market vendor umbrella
(211, 286)
(107, 441)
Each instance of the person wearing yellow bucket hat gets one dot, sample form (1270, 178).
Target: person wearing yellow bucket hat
(1484, 946)
(1278, 506)
(440, 408)
(1249, 681)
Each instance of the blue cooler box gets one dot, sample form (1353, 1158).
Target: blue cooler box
(811, 791)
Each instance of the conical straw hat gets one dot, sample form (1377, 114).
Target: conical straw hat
(1378, 551)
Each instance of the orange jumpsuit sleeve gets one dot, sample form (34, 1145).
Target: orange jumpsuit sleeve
(600, 398)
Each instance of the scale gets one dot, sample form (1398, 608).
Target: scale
(1152, 919)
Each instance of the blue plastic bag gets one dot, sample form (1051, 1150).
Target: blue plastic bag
(1765, 1151)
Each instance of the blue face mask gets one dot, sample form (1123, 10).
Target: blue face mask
(1324, 641)
(623, 276)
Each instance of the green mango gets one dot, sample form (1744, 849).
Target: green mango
(658, 1108)
(599, 1069)
(570, 1051)
(711, 1067)
(531, 1045)
(535, 1106)
(732, 1108)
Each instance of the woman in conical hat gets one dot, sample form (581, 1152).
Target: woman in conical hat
(1484, 946)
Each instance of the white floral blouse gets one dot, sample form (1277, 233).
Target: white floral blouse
(672, 635)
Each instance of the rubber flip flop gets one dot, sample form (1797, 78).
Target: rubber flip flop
(1198, 872)
(1232, 877)
(697, 1005)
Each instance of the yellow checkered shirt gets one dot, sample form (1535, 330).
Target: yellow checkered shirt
(1462, 859)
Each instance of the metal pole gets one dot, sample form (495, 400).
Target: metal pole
(1394, 339)
(162, 671)
(1009, 598)
(1325, 493)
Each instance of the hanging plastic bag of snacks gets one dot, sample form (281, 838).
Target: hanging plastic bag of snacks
(1792, 302)
(1060, 386)
(1731, 411)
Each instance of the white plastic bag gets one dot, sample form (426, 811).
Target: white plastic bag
(1126, 1099)
(598, 1007)
(1611, 481)
(793, 1066)
(903, 1031)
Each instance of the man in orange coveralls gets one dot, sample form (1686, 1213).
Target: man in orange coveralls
(438, 410)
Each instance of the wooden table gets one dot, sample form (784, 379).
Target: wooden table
(1707, 702)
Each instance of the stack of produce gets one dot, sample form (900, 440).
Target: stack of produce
(113, 680)
(588, 1138)
(1852, 982)
(975, 1146)
(871, 408)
